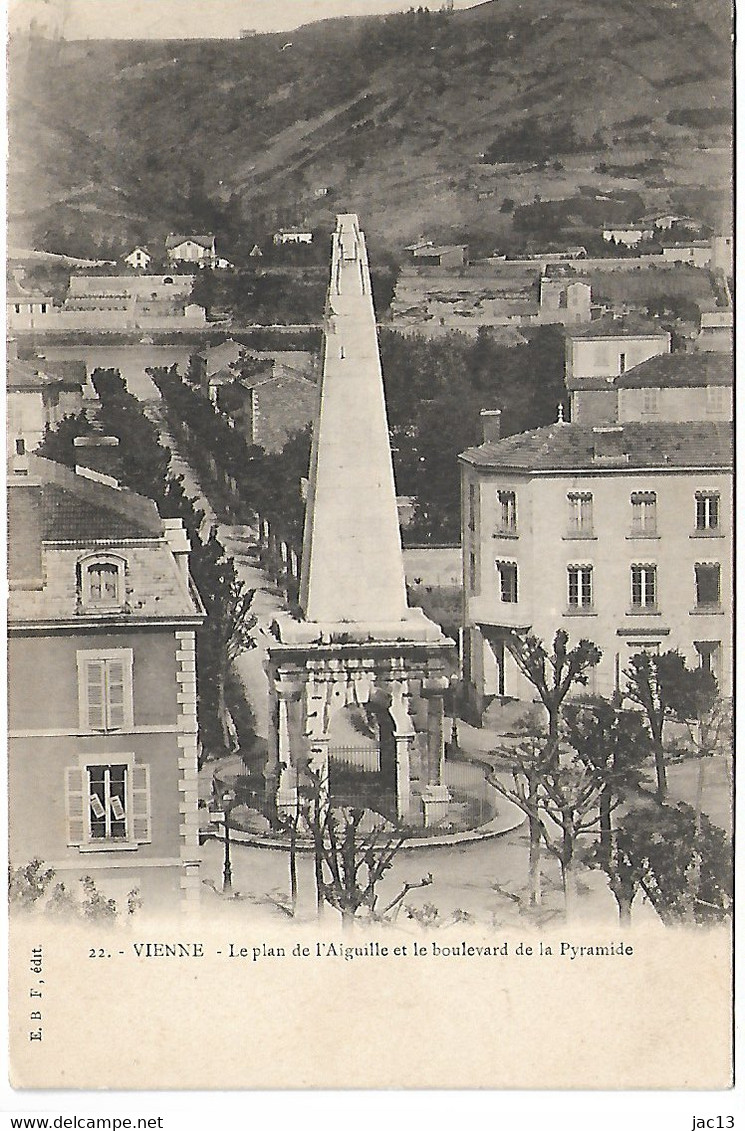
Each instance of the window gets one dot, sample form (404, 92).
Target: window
(708, 655)
(708, 581)
(17, 307)
(643, 514)
(101, 582)
(507, 582)
(472, 572)
(579, 586)
(108, 803)
(472, 505)
(105, 690)
(20, 447)
(707, 510)
(580, 514)
(643, 586)
(650, 401)
(43, 308)
(622, 363)
(507, 512)
(715, 398)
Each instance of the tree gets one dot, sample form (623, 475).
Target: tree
(553, 674)
(58, 442)
(349, 862)
(616, 743)
(563, 787)
(665, 688)
(681, 861)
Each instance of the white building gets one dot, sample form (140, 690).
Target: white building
(139, 258)
(619, 534)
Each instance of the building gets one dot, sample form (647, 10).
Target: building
(444, 255)
(140, 258)
(191, 249)
(292, 236)
(628, 236)
(267, 407)
(27, 310)
(564, 298)
(696, 253)
(717, 330)
(676, 387)
(620, 534)
(39, 394)
(597, 353)
(101, 621)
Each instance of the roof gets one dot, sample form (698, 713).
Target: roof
(679, 370)
(609, 327)
(53, 513)
(175, 240)
(38, 373)
(570, 447)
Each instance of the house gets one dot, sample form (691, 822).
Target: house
(668, 221)
(620, 534)
(445, 255)
(628, 236)
(269, 405)
(25, 309)
(677, 387)
(697, 253)
(716, 331)
(722, 253)
(101, 621)
(39, 395)
(285, 236)
(600, 351)
(140, 258)
(215, 364)
(564, 298)
(191, 249)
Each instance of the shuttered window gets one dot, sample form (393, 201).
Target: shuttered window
(105, 694)
(108, 803)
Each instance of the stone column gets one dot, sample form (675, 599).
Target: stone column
(435, 794)
(404, 743)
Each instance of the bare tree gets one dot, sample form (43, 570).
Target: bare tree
(553, 675)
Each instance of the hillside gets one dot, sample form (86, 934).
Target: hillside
(421, 121)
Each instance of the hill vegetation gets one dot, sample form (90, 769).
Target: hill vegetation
(421, 120)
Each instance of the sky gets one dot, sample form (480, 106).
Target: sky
(167, 19)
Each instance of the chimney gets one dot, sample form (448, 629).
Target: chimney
(179, 544)
(608, 443)
(491, 424)
(97, 458)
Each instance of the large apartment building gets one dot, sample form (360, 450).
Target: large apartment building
(619, 532)
(102, 719)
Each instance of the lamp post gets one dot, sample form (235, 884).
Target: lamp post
(228, 801)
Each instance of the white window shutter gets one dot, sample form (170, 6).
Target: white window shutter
(141, 823)
(95, 694)
(75, 799)
(115, 694)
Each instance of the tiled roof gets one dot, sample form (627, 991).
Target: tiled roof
(672, 370)
(54, 516)
(630, 327)
(570, 447)
(78, 509)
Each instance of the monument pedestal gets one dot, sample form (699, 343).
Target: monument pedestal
(435, 801)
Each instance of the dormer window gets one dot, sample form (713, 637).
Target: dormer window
(101, 582)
